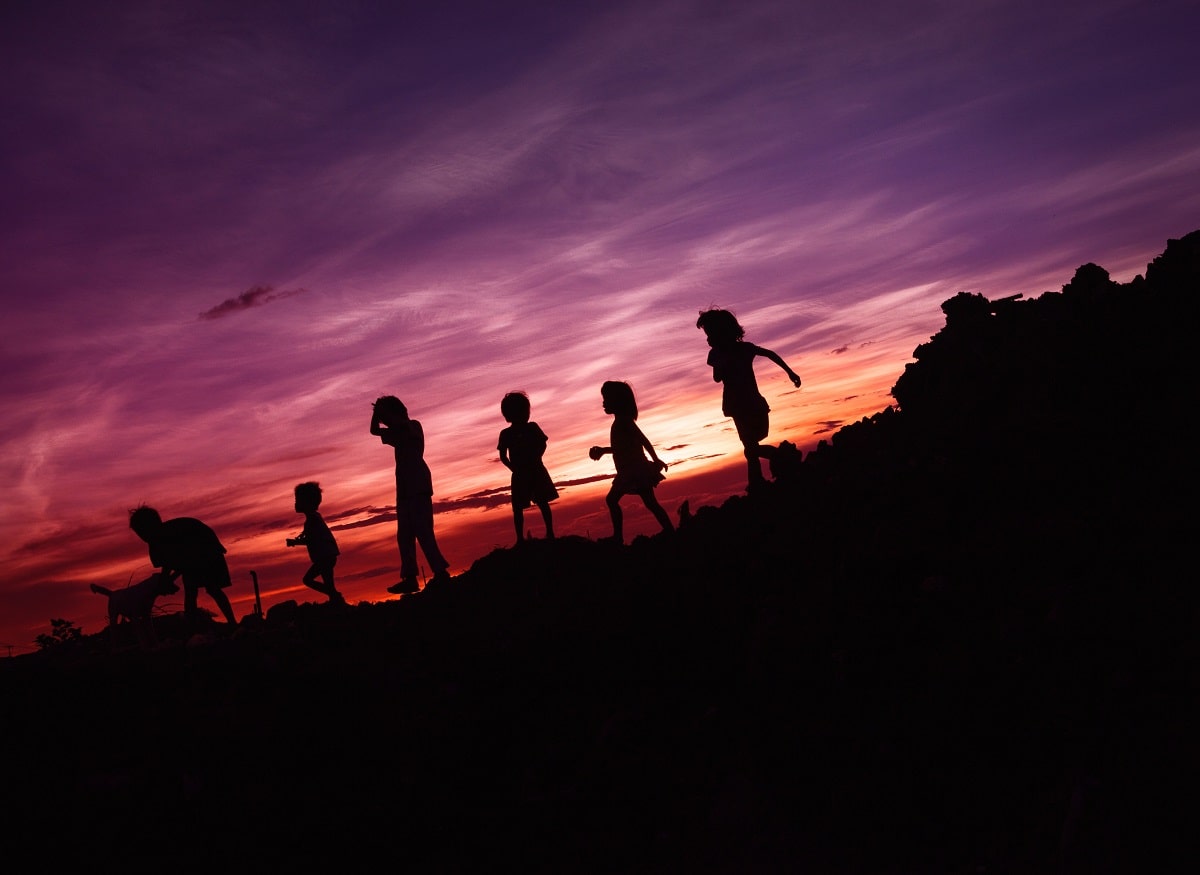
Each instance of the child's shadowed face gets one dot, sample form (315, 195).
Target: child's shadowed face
(716, 339)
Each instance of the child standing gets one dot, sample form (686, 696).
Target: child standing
(732, 362)
(414, 492)
(322, 546)
(636, 475)
(521, 447)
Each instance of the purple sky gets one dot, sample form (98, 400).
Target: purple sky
(228, 227)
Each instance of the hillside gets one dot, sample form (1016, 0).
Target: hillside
(955, 638)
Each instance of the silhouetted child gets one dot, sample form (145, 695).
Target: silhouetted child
(521, 447)
(636, 475)
(188, 549)
(414, 492)
(732, 361)
(322, 546)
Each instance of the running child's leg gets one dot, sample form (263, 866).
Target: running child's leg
(614, 509)
(657, 509)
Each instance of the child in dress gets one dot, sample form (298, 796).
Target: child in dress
(322, 546)
(636, 475)
(521, 447)
(732, 362)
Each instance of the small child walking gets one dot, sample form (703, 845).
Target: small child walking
(732, 360)
(322, 546)
(636, 475)
(521, 447)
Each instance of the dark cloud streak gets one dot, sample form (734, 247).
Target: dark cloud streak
(256, 296)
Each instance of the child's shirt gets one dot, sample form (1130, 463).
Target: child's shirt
(733, 366)
(185, 543)
(413, 478)
(319, 540)
(525, 443)
(625, 439)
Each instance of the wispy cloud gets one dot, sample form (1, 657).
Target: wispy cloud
(256, 296)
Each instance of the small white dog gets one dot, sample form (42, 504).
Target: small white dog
(136, 604)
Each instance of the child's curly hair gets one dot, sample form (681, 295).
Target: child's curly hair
(720, 325)
(144, 518)
(309, 493)
(390, 405)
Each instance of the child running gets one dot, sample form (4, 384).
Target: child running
(521, 447)
(636, 475)
(322, 546)
(732, 362)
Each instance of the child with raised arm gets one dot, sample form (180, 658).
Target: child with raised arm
(414, 492)
(732, 360)
(636, 475)
(521, 447)
(322, 546)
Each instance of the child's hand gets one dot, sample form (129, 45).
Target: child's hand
(796, 380)
(596, 453)
(662, 466)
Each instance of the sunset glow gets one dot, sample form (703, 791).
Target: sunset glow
(228, 228)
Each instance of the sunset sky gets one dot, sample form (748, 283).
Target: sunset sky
(228, 227)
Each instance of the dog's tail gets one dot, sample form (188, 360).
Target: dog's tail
(101, 590)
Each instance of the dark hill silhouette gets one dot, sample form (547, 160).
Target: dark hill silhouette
(955, 638)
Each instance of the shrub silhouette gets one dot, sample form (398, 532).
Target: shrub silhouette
(61, 632)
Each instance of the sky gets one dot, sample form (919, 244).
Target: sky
(229, 227)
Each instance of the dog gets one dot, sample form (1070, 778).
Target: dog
(136, 604)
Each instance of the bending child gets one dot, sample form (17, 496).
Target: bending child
(732, 362)
(187, 549)
(636, 475)
(521, 447)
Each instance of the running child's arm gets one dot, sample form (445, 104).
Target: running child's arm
(773, 356)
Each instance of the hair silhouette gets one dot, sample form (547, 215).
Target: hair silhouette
(721, 325)
(515, 407)
(619, 398)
